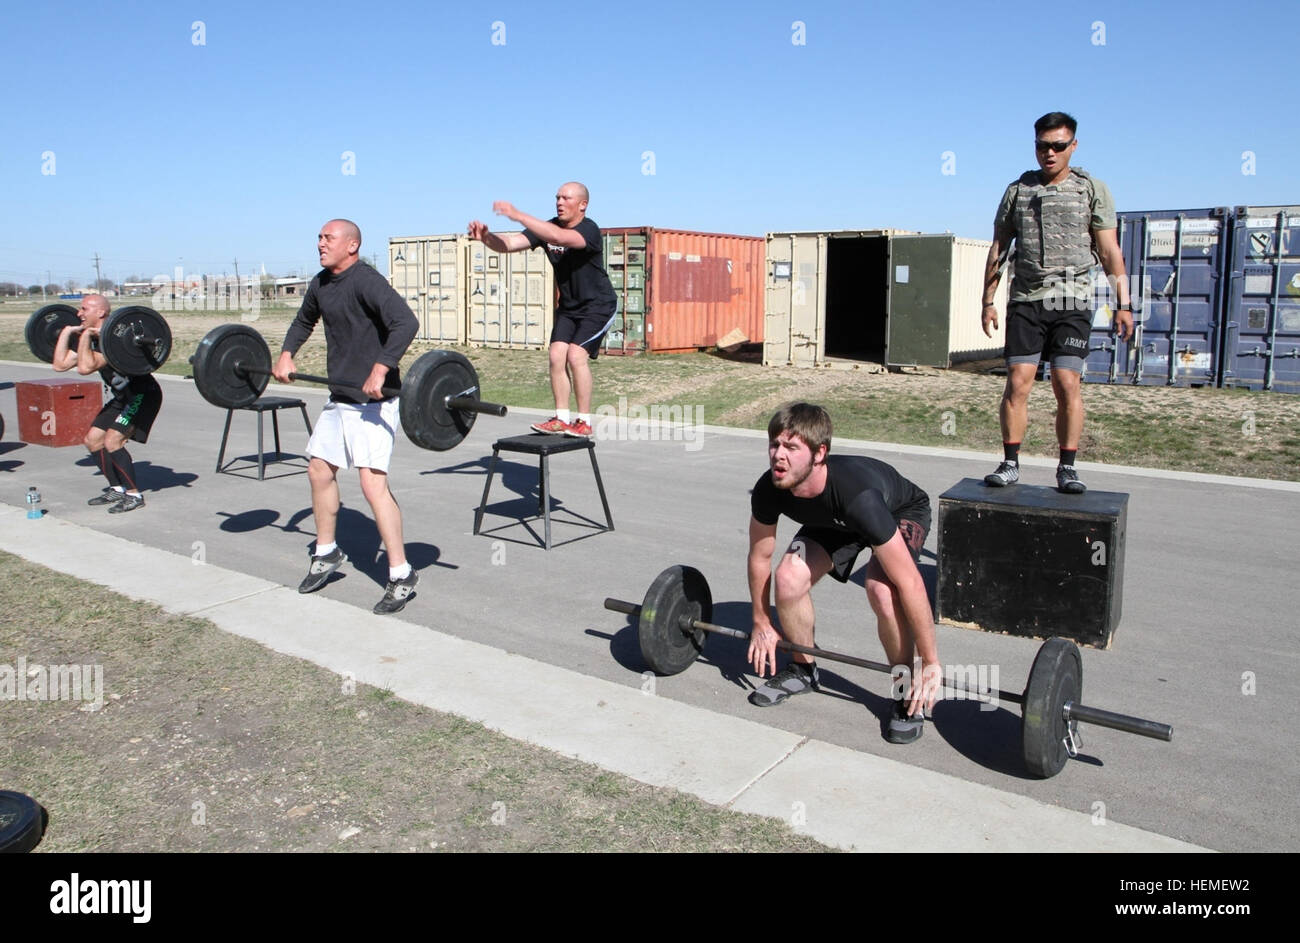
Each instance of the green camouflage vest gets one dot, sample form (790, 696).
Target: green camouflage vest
(1053, 231)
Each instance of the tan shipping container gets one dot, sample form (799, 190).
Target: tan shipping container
(888, 296)
(427, 272)
(683, 291)
(511, 301)
(462, 292)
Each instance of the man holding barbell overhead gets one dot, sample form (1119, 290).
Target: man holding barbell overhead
(587, 302)
(845, 504)
(368, 327)
(129, 413)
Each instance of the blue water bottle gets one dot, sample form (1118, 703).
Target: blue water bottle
(33, 504)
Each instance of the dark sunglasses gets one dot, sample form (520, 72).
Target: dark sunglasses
(1057, 146)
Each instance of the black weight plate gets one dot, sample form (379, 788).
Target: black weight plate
(1056, 677)
(44, 326)
(427, 420)
(676, 592)
(22, 822)
(215, 373)
(118, 344)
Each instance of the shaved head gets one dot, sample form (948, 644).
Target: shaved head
(95, 303)
(350, 229)
(582, 193)
(338, 244)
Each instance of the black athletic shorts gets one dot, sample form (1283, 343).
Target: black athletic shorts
(1035, 331)
(843, 547)
(132, 414)
(587, 332)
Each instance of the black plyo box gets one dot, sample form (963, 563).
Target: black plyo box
(1028, 560)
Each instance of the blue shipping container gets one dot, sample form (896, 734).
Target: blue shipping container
(1110, 360)
(1176, 262)
(1262, 327)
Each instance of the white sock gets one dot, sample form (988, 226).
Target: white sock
(399, 572)
(562, 415)
(324, 550)
(584, 417)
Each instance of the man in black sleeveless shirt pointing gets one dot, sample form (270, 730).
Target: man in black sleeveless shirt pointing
(845, 504)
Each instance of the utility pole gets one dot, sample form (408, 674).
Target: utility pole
(98, 277)
(238, 288)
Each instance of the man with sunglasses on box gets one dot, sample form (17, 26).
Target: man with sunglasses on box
(1063, 223)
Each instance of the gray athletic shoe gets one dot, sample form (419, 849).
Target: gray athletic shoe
(396, 594)
(128, 502)
(1067, 480)
(1008, 473)
(110, 496)
(793, 679)
(318, 573)
(904, 729)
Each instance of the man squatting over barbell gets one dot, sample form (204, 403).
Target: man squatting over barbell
(129, 414)
(368, 327)
(845, 503)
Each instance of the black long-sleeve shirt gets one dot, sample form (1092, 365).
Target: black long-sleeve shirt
(366, 322)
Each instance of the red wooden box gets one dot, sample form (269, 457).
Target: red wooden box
(57, 411)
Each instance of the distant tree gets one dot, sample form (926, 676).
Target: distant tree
(52, 289)
(10, 288)
(33, 289)
(105, 284)
(136, 278)
(72, 286)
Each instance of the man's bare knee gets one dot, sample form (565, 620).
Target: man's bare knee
(793, 578)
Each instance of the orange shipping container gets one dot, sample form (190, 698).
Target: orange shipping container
(681, 291)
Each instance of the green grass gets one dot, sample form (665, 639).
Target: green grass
(282, 759)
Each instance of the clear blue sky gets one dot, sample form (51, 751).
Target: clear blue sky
(168, 152)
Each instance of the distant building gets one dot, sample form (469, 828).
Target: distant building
(291, 288)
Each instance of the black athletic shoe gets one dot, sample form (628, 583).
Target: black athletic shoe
(128, 502)
(793, 679)
(1067, 480)
(397, 594)
(1008, 473)
(318, 573)
(110, 496)
(901, 728)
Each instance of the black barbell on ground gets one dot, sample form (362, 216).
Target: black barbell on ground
(135, 340)
(439, 395)
(672, 625)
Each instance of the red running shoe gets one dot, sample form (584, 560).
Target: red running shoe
(579, 429)
(553, 426)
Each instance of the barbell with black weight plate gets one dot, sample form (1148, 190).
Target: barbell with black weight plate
(672, 625)
(44, 327)
(439, 396)
(135, 340)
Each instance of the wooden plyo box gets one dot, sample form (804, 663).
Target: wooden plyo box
(1028, 560)
(57, 411)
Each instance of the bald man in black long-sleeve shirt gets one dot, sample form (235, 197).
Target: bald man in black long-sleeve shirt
(368, 327)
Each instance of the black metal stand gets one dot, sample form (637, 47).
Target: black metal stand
(274, 404)
(543, 446)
